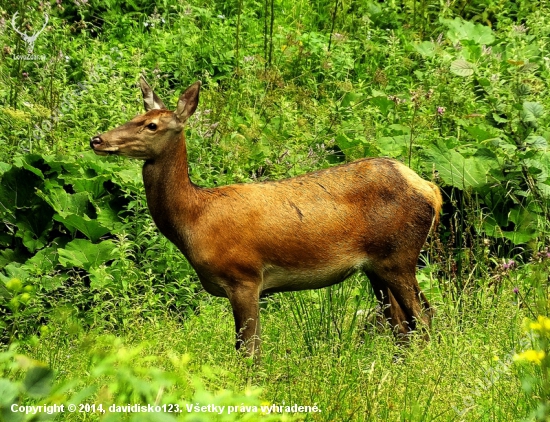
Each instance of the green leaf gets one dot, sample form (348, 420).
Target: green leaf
(350, 98)
(382, 103)
(44, 261)
(537, 142)
(84, 254)
(14, 270)
(37, 382)
(93, 229)
(4, 167)
(29, 163)
(459, 171)
(17, 190)
(62, 202)
(344, 142)
(532, 111)
(462, 68)
(479, 133)
(8, 392)
(34, 225)
(426, 48)
(460, 29)
(394, 146)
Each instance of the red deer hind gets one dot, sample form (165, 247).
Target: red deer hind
(306, 232)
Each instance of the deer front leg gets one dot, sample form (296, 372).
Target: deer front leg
(244, 300)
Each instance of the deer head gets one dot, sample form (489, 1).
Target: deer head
(147, 136)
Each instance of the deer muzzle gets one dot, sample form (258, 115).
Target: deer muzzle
(100, 147)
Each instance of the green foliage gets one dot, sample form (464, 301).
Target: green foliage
(457, 90)
(66, 219)
(177, 394)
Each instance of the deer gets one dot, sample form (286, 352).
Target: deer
(306, 232)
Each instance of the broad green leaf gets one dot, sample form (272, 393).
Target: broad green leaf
(344, 142)
(29, 162)
(4, 167)
(14, 270)
(8, 392)
(462, 68)
(544, 189)
(479, 133)
(37, 382)
(93, 229)
(394, 146)
(382, 103)
(537, 142)
(93, 186)
(7, 256)
(62, 202)
(350, 98)
(532, 111)
(426, 48)
(17, 190)
(460, 29)
(459, 171)
(34, 226)
(84, 254)
(43, 262)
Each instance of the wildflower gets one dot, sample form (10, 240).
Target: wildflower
(542, 324)
(509, 265)
(396, 99)
(520, 29)
(440, 110)
(25, 75)
(516, 290)
(533, 356)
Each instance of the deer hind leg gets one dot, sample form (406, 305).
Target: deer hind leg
(392, 312)
(408, 305)
(244, 300)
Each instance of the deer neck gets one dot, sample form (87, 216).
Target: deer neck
(171, 196)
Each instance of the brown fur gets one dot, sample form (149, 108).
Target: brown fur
(306, 232)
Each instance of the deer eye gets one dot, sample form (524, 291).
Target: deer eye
(152, 126)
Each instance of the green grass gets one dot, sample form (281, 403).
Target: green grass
(464, 373)
(90, 289)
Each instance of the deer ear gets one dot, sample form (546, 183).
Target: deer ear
(188, 101)
(150, 100)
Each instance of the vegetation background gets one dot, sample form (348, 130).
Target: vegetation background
(96, 308)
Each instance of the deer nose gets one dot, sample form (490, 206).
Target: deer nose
(95, 141)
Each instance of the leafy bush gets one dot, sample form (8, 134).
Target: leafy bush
(66, 219)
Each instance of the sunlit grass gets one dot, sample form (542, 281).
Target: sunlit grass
(465, 372)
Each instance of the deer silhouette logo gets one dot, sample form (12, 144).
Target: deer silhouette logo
(29, 39)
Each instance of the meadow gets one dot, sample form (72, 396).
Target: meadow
(102, 318)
